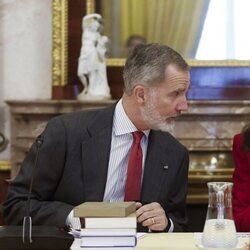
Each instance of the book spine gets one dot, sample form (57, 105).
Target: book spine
(109, 241)
(95, 223)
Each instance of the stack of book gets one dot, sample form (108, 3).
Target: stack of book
(108, 225)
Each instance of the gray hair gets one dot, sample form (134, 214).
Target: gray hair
(147, 64)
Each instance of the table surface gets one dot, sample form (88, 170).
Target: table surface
(170, 241)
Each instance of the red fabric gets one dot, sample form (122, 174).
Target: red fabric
(241, 191)
(134, 172)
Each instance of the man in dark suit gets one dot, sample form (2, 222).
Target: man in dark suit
(83, 156)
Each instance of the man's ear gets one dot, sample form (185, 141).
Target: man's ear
(139, 92)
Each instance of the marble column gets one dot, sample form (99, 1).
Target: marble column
(25, 55)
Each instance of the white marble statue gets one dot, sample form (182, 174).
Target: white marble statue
(91, 65)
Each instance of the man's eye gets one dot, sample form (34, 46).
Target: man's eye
(177, 92)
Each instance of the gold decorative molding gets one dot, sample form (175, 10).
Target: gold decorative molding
(5, 166)
(197, 198)
(218, 63)
(118, 62)
(60, 42)
(217, 174)
(115, 62)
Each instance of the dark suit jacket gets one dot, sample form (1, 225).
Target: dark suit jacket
(72, 168)
(241, 191)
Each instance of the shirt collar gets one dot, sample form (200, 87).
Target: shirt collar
(122, 124)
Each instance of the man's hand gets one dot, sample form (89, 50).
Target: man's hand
(152, 215)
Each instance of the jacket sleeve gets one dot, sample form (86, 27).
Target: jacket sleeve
(241, 191)
(50, 163)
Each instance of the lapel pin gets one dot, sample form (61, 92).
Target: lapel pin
(165, 167)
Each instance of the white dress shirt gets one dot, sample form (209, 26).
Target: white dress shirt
(121, 144)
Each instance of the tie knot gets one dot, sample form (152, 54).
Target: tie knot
(137, 135)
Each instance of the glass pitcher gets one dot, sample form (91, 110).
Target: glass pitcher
(219, 230)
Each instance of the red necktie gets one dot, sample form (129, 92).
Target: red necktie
(134, 172)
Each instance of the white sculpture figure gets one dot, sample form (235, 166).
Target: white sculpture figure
(91, 64)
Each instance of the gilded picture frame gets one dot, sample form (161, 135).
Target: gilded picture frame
(60, 46)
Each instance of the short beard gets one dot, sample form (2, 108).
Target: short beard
(152, 117)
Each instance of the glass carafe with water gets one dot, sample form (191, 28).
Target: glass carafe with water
(219, 230)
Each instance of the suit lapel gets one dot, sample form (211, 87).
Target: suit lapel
(156, 167)
(95, 154)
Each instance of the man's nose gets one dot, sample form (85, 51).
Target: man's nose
(183, 105)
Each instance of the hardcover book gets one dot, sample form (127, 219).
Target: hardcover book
(104, 209)
(108, 241)
(107, 232)
(77, 244)
(111, 222)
